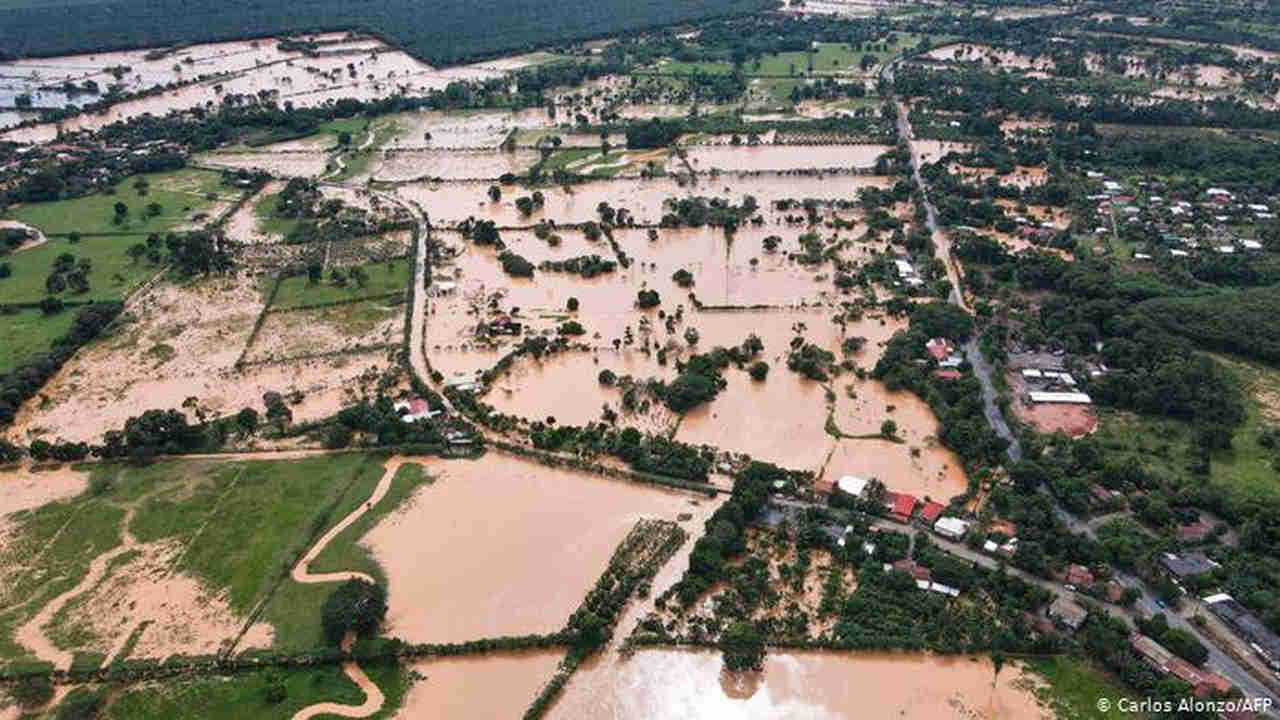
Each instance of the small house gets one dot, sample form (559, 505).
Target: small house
(901, 506)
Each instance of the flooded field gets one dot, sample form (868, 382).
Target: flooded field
(402, 165)
(784, 157)
(489, 686)
(477, 554)
(1021, 177)
(297, 164)
(798, 686)
(358, 68)
(450, 203)
(929, 151)
(183, 342)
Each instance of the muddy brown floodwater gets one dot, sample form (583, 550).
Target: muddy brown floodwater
(504, 546)
(798, 686)
(492, 686)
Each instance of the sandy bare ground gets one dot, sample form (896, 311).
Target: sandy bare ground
(373, 698)
(23, 489)
(183, 615)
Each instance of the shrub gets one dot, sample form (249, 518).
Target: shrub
(33, 691)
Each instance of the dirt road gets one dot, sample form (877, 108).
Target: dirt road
(373, 697)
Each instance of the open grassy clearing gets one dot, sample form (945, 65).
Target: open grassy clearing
(239, 526)
(112, 272)
(269, 222)
(243, 696)
(1074, 687)
(181, 194)
(384, 278)
(1247, 470)
(294, 610)
(29, 333)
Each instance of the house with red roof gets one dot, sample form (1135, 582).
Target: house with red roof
(949, 374)
(900, 506)
(930, 512)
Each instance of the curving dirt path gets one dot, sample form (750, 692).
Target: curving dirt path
(303, 575)
(373, 697)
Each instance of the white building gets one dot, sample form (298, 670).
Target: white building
(1069, 398)
(852, 484)
(951, 528)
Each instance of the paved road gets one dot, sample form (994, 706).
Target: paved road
(1218, 661)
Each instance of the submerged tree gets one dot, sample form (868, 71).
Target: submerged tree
(743, 647)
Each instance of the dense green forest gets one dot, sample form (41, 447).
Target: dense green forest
(440, 32)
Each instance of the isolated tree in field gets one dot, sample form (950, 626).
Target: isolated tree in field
(572, 304)
(357, 606)
(73, 238)
(5, 270)
(315, 273)
(121, 209)
(742, 647)
(495, 193)
(759, 370)
(154, 209)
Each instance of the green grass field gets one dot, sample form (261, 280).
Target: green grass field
(243, 696)
(180, 194)
(384, 278)
(1075, 686)
(1246, 471)
(112, 276)
(269, 223)
(294, 610)
(242, 524)
(29, 333)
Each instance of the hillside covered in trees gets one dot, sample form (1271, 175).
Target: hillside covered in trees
(440, 32)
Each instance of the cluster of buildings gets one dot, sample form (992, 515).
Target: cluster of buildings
(1053, 386)
(1208, 218)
